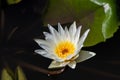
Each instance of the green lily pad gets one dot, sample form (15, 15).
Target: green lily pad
(5, 75)
(98, 15)
(13, 1)
(20, 74)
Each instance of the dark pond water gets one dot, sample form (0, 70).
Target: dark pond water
(22, 23)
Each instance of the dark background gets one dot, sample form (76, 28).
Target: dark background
(21, 23)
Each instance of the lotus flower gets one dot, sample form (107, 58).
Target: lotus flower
(64, 46)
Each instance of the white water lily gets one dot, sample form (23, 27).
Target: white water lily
(64, 46)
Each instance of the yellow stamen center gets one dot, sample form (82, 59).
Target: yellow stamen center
(64, 49)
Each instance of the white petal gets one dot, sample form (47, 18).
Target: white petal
(79, 49)
(77, 35)
(47, 45)
(51, 29)
(45, 54)
(67, 35)
(49, 38)
(61, 30)
(73, 57)
(56, 35)
(49, 55)
(72, 64)
(47, 48)
(48, 35)
(84, 55)
(69, 57)
(72, 30)
(83, 37)
(40, 41)
(55, 64)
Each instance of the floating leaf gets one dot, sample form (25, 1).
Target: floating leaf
(13, 1)
(84, 55)
(20, 74)
(5, 75)
(98, 15)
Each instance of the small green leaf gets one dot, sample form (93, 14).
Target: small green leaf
(13, 1)
(20, 74)
(5, 75)
(98, 15)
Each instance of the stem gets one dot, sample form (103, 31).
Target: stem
(2, 25)
(12, 32)
(33, 67)
(39, 69)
